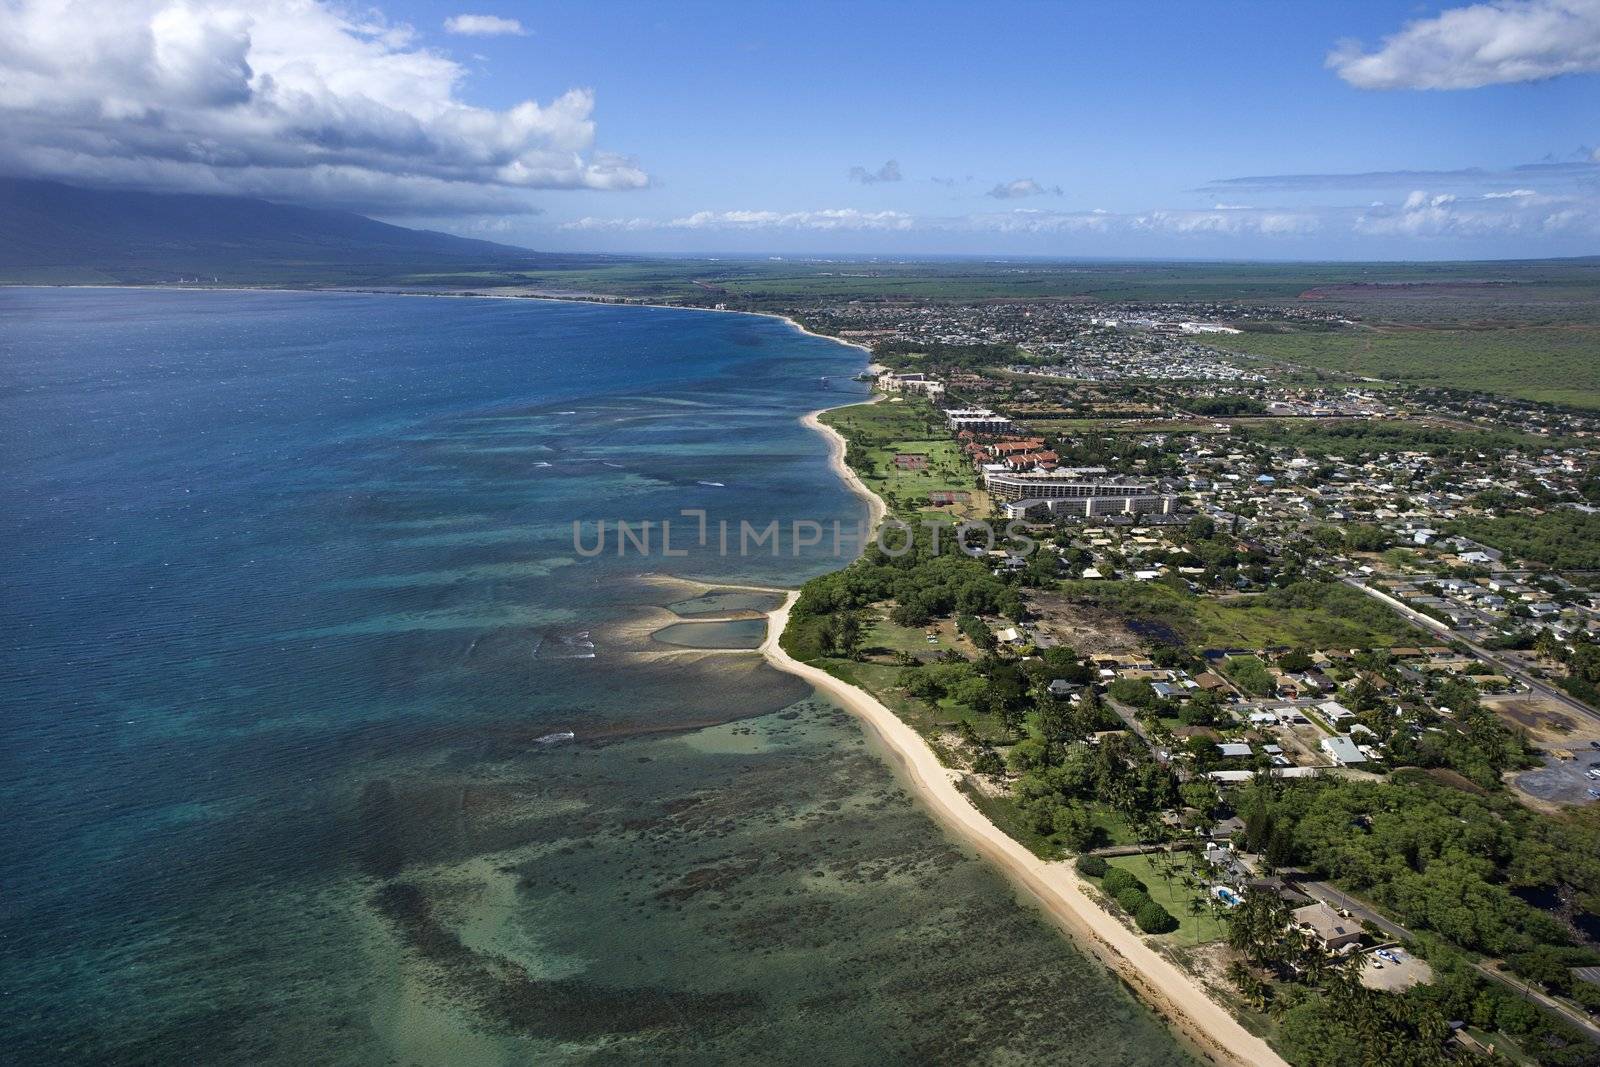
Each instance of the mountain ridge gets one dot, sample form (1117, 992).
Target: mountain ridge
(54, 233)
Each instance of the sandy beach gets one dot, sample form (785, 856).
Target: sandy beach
(1160, 983)
(836, 453)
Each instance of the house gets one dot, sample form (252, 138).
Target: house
(1327, 925)
(1210, 682)
(1226, 828)
(1234, 749)
(1334, 711)
(1060, 687)
(1342, 750)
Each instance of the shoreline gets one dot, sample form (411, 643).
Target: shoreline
(1156, 981)
(1176, 998)
(597, 299)
(838, 447)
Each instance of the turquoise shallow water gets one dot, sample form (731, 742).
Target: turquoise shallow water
(295, 630)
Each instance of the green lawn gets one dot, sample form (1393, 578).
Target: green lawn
(1192, 929)
(1117, 828)
(913, 639)
(877, 433)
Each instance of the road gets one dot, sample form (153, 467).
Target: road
(1511, 670)
(1130, 718)
(1337, 899)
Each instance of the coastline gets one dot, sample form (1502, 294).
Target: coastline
(1158, 982)
(597, 298)
(837, 448)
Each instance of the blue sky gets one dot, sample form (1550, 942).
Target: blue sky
(1112, 129)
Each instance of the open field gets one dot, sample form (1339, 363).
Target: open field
(1531, 290)
(1169, 892)
(879, 433)
(1329, 616)
(1355, 437)
(1548, 364)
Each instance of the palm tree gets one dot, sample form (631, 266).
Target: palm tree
(1250, 985)
(1344, 974)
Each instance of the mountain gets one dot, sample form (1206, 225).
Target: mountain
(54, 233)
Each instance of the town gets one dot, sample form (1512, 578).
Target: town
(1278, 621)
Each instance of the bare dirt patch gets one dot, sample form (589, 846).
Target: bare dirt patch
(1545, 721)
(1089, 630)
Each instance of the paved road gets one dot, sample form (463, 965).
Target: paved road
(1131, 719)
(1543, 689)
(1335, 898)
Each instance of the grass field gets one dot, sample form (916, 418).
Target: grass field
(914, 639)
(1548, 364)
(1171, 894)
(1404, 291)
(1337, 617)
(879, 432)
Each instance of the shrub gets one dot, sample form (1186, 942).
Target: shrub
(1092, 866)
(1131, 900)
(1154, 919)
(1117, 879)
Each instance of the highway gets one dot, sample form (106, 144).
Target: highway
(1541, 688)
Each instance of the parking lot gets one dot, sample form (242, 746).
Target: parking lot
(1380, 973)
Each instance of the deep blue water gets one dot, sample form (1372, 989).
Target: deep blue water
(291, 600)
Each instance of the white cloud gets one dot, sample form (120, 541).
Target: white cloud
(483, 26)
(1484, 44)
(1521, 211)
(1020, 188)
(1229, 221)
(831, 219)
(889, 172)
(1016, 221)
(291, 99)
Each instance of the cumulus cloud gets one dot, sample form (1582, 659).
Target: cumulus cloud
(1483, 44)
(296, 100)
(1022, 187)
(1015, 221)
(1419, 215)
(483, 26)
(831, 219)
(1229, 221)
(889, 172)
(1523, 211)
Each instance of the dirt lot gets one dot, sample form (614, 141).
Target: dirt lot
(1547, 723)
(1089, 630)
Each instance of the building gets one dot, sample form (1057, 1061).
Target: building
(1072, 491)
(1327, 925)
(1342, 750)
(911, 383)
(977, 420)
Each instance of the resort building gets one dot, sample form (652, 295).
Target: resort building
(911, 383)
(978, 420)
(1080, 492)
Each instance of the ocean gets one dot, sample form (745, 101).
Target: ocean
(322, 739)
